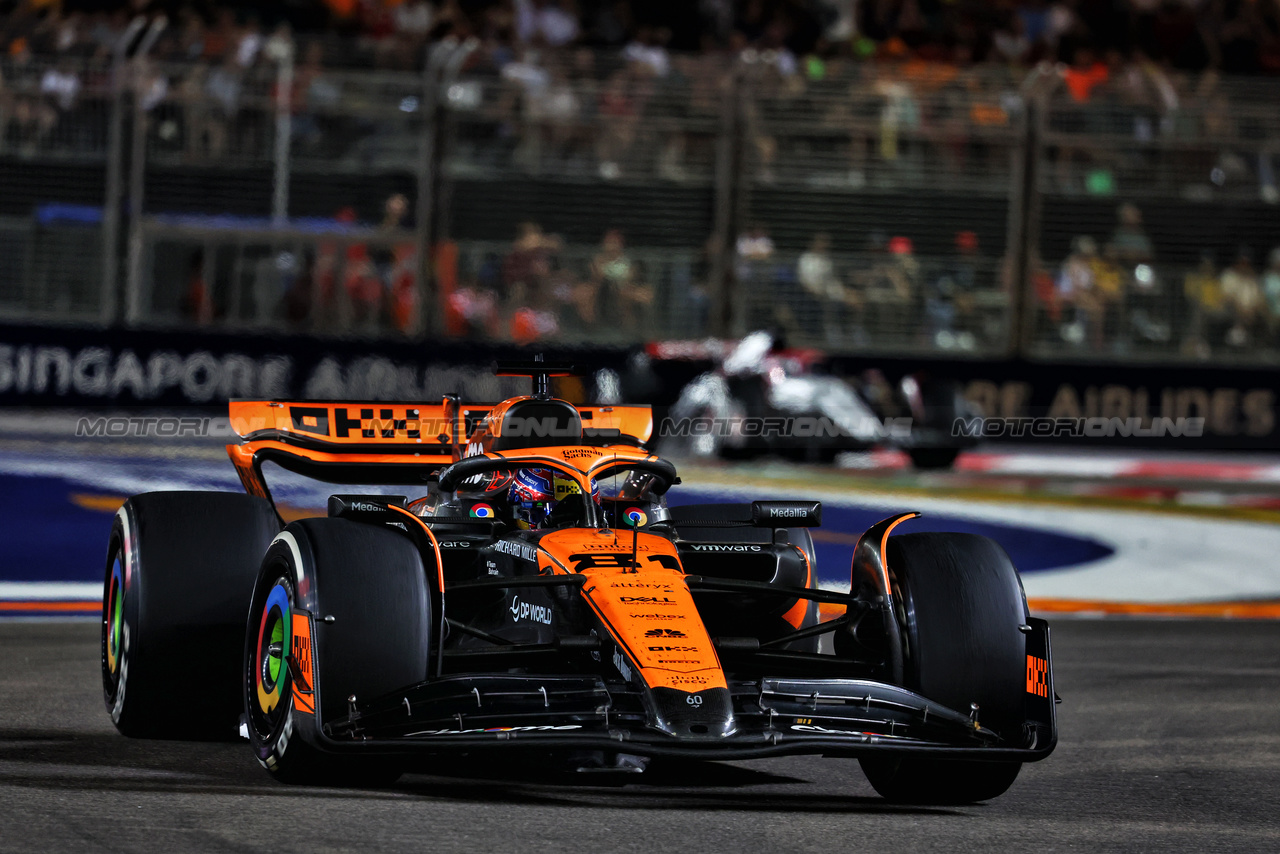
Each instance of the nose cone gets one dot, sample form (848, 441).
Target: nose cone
(700, 714)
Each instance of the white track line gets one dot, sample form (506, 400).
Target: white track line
(50, 591)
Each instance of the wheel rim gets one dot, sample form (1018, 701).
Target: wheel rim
(269, 668)
(113, 617)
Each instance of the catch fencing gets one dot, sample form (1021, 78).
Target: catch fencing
(614, 198)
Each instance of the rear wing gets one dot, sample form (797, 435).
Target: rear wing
(353, 427)
(369, 442)
(420, 428)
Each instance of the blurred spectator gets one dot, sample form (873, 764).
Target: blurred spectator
(753, 269)
(298, 296)
(1271, 290)
(891, 286)
(824, 299)
(900, 112)
(1085, 74)
(197, 301)
(527, 276)
(249, 43)
(545, 22)
(1111, 280)
(314, 96)
(1209, 315)
(413, 18)
(279, 45)
(622, 298)
(529, 325)
(949, 298)
(1147, 304)
(1242, 294)
(31, 117)
(1078, 296)
(1010, 42)
(397, 264)
(1048, 318)
(61, 85)
(755, 245)
(222, 87)
(1129, 239)
(202, 133)
(710, 272)
(904, 269)
(474, 309)
(555, 111)
(755, 252)
(219, 39)
(649, 52)
(527, 267)
(619, 115)
(816, 272)
(360, 281)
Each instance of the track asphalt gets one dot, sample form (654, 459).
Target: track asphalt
(1170, 741)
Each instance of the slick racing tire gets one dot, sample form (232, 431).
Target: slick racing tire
(179, 574)
(960, 607)
(340, 609)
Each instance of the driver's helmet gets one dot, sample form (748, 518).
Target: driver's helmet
(535, 493)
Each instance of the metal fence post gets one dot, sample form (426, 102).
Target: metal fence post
(284, 139)
(1024, 222)
(728, 193)
(443, 62)
(427, 180)
(137, 165)
(115, 170)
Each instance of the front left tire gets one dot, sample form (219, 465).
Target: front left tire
(180, 570)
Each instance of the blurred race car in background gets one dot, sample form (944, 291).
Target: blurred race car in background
(763, 397)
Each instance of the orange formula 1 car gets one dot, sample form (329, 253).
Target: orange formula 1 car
(532, 592)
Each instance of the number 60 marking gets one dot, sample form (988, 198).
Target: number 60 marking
(693, 700)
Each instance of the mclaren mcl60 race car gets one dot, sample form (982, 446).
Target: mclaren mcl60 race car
(531, 591)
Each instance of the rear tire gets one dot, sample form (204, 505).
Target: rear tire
(179, 574)
(960, 605)
(371, 581)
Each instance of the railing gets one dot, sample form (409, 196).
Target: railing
(887, 302)
(586, 196)
(54, 108)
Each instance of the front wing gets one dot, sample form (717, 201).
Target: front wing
(775, 716)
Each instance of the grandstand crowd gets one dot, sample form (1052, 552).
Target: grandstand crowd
(851, 95)
(1234, 36)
